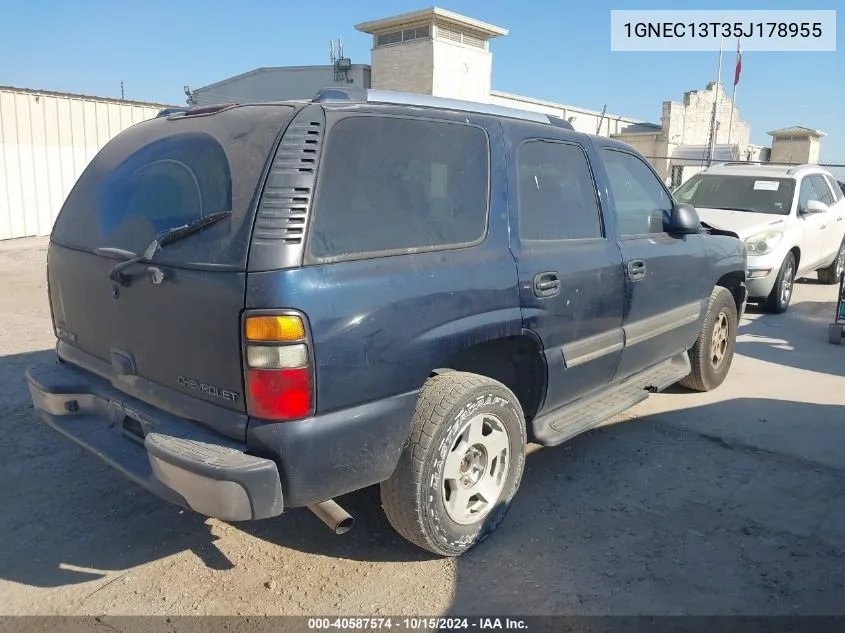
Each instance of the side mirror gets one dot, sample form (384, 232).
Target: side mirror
(815, 206)
(684, 220)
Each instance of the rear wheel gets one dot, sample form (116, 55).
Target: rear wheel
(781, 294)
(832, 273)
(713, 352)
(462, 466)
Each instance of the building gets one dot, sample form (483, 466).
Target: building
(795, 144)
(47, 140)
(444, 54)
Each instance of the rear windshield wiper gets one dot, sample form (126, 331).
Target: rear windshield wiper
(161, 240)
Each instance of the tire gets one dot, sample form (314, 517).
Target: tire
(832, 273)
(420, 498)
(713, 352)
(781, 294)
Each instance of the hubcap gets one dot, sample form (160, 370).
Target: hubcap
(476, 468)
(719, 340)
(786, 283)
(840, 261)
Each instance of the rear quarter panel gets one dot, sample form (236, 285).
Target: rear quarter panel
(379, 326)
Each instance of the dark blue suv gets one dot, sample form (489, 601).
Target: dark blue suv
(267, 306)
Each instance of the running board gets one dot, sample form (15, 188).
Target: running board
(595, 410)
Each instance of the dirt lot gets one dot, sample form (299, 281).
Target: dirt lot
(725, 503)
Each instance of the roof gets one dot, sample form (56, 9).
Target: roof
(796, 130)
(74, 95)
(267, 69)
(384, 24)
(642, 128)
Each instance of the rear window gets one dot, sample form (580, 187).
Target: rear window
(162, 174)
(391, 185)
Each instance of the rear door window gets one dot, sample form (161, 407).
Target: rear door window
(557, 194)
(823, 193)
(389, 186)
(163, 173)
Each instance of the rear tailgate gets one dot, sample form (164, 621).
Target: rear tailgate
(175, 343)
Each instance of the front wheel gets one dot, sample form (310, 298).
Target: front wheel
(461, 467)
(833, 273)
(781, 294)
(713, 352)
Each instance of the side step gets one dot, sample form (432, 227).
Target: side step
(593, 411)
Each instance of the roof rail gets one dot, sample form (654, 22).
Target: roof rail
(797, 168)
(365, 95)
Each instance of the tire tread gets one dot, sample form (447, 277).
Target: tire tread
(401, 493)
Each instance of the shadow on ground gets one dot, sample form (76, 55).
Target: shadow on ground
(646, 518)
(796, 338)
(650, 515)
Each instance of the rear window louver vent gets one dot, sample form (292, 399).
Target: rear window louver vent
(282, 217)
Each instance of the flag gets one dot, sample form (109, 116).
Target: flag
(738, 62)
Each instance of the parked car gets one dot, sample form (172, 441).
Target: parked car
(268, 306)
(790, 218)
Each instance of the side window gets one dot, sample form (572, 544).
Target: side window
(557, 194)
(822, 190)
(642, 204)
(806, 193)
(389, 186)
(834, 186)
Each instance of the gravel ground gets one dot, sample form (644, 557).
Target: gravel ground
(722, 503)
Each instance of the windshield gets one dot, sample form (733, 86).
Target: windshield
(755, 194)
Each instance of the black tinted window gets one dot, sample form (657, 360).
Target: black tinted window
(642, 204)
(390, 185)
(557, 195)
(162, 174)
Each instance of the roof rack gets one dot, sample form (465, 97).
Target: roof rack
(365, 95)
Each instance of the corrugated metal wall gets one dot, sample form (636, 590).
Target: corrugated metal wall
(46, 141)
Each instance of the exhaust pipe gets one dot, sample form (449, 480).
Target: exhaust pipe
(338, 519)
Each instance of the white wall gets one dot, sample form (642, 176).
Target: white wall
(586, 121)
(46, 141)
(278, 84)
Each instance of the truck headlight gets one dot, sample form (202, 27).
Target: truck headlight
(763, 243)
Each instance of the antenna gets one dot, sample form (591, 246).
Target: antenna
(342, 65)
(122, 98)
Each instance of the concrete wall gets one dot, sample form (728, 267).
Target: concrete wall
(46, 141)
(279, 84)
(795, 150)
(461, 71)
(688, 123)
(585, 121)
(404, 67)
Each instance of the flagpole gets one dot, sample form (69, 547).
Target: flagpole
(733, 95)
(715, 104)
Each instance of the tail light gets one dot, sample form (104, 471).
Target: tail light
(279, 372)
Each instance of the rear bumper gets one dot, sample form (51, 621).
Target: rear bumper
(173, 458)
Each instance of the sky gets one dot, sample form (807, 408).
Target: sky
(558, 51)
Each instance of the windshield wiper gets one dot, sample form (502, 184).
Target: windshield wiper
(161, 240)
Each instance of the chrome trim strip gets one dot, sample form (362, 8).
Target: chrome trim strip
(587, 349)
(652, 326)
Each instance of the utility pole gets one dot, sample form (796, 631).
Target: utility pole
(122, 97)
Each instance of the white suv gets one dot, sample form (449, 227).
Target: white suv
(791, 218)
